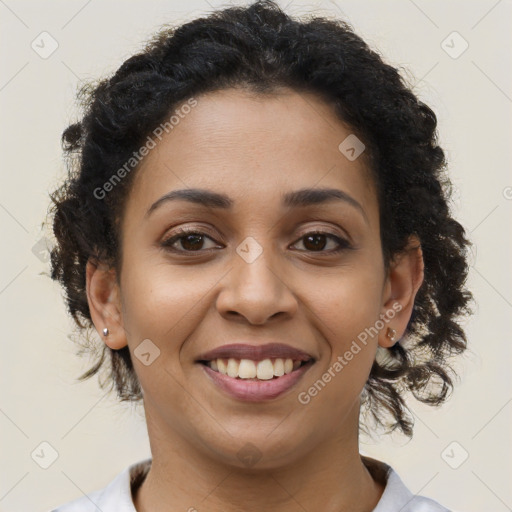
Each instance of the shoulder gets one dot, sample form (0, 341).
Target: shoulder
(115, 497)
(396, 495)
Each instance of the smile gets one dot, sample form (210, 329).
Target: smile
(272, 378)
(256, 370)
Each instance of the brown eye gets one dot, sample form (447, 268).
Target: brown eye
(317, 241)
(194, 241)
(190, 241)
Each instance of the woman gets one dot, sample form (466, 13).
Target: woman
(256, 223)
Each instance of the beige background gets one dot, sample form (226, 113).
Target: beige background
(95, 437)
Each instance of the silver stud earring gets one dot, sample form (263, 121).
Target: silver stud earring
(105, 332)
(391, 333)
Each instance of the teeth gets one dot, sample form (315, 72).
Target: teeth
(278, 367)
(265, 370)
(221, 364)
(233, 365)
(247, 369)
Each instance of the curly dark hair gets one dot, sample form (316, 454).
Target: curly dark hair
(262, 49)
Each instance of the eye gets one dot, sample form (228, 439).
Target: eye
(314, 241)
(189, 239)
(193, 241)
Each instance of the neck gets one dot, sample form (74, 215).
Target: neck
(331, 477)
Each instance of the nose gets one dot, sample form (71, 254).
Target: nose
(256, 291)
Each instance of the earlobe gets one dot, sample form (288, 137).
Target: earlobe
(104, 304)
(404, 279)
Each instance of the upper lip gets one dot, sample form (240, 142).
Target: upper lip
(255, 352)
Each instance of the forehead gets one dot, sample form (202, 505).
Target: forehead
(253, 147)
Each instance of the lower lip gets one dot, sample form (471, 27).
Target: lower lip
(256, 390)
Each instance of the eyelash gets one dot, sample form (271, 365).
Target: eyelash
(182, 233)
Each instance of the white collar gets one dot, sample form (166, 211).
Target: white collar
(117, 495)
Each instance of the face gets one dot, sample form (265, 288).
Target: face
(256, 270)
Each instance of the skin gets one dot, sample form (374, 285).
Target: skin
(253, 149)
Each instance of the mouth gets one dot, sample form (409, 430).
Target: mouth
(255, 373)
(248, 369)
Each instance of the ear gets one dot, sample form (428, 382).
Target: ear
(404, 279)
(104, 303)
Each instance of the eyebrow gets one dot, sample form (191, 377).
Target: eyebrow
(296, 199)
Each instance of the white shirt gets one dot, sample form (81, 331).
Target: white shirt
(117, 496)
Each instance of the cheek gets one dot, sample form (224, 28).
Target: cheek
(160, 301)
(354, 311)
(347, 314)
(350, 351)
(164, 305)
(350, 302)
